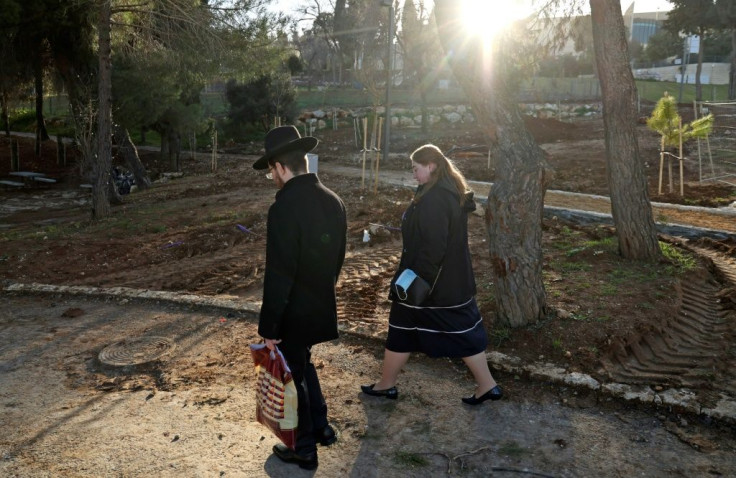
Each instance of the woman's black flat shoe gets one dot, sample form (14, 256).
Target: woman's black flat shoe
(493, 394)
(391, 393)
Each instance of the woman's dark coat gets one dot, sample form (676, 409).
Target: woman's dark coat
(305, 249)
(435, 244)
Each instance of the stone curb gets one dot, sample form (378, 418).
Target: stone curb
(682, 399)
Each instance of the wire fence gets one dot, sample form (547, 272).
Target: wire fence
(717, 152)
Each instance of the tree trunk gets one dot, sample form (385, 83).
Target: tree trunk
(424, 109)
(130, 154)
(175, 151)
(632, 211)
(41, 133)
(732, 76)
(164, 150)
(5, 115)
(515, 202)
(113, 194)
(101, 180)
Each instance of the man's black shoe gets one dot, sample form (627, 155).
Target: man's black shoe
(326, 436)
(286, 454)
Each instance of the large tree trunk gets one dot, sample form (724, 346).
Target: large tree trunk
(515, 202)
(130, 154)
(101, 168)
(632, 211)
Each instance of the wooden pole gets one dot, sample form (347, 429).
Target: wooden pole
(365, 138)
(669, 172)
(661, 165)
(710, 156)
(355, 131)
(700, 158)
(682, 160)
(378, 155)
(373, 143)
(213, 163)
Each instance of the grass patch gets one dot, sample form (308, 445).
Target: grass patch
(574, 266)
(579, 317)
(499, 335)
(511, 449)
(609, 243)
(156, 228)
(681, 261)
(609, 289)
(625, 273)
(412, 460)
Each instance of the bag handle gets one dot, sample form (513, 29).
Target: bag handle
(406, 294)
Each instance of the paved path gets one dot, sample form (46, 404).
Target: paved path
(698, 221)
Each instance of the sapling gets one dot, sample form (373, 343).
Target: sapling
(666, 121)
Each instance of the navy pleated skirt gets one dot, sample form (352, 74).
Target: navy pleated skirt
(455, 331)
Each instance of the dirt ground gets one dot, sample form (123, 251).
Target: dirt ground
(191, 412)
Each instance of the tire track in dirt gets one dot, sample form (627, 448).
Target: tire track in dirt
(233, 270)
(693, 348)
(362, 291)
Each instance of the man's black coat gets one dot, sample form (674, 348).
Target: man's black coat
(305, 249)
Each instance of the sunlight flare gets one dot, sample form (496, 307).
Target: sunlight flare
(486, 18)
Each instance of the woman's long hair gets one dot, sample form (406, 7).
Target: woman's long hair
(444, 167)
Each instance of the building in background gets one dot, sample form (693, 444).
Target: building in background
(642, 25)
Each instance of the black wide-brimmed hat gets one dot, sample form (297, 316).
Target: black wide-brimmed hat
(283, 139)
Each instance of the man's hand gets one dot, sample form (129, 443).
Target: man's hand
(271, 344)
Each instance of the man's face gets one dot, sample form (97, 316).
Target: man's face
(276, 172)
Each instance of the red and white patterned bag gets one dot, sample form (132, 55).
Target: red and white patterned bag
(276, 401)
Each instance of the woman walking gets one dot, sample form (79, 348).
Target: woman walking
(447, 323)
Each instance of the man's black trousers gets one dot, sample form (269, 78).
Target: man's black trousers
(312, 412)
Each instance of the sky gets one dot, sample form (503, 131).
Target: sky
(640, 5)
(647, 5)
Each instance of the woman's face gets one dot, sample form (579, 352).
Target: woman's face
(422, 173)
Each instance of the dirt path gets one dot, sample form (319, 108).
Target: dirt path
(192, 412)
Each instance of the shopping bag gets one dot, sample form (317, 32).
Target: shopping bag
(276, 402)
